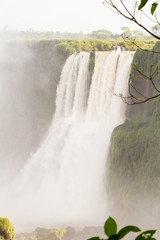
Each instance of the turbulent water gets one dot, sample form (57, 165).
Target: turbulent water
(64, 181)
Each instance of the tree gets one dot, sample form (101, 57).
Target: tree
(136, 34)
(101, 34)
(139, 35)
(6, 229)
(134, 11)
(126, 32)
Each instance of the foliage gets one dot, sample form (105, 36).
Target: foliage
(6, 229)
(153, 6)
(91, 62)
(101, 34)
(67, 47)
(110, 229)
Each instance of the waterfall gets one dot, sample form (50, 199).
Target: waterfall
(64, 181)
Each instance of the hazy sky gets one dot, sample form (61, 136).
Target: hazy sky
(59, 15)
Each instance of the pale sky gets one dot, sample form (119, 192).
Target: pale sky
(60, 15)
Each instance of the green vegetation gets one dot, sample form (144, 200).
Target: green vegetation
(91, 62)
(67, 47)
(153, 6)
(6, 229)
(110, 229)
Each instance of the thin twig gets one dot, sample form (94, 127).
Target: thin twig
(132, 18)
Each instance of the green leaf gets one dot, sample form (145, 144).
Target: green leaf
(153, 8)
(110, 227)
(94, 238)
(146, 235)
(142, 4)
(114, 237)
(124, 231)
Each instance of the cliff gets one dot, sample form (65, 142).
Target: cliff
(133, 178)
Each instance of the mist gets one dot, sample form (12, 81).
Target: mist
(26, 105)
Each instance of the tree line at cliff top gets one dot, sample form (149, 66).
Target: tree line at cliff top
(103, 34)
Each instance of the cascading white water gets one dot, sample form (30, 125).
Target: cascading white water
(64, 181)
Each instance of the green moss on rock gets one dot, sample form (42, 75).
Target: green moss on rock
(91, 62)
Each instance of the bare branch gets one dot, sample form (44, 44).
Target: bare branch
(134, 9)
(105, 4)
(135, 96)
(149, 17)
(132, 99)
(127, 9)
(131, 17)
(137, 91)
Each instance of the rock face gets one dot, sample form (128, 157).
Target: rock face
(70, 234)
(134, 164)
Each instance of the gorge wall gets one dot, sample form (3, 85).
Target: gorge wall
(134, 159)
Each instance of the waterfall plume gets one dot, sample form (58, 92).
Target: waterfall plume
(64, 181)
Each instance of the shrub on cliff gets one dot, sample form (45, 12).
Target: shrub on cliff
(6, 229)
